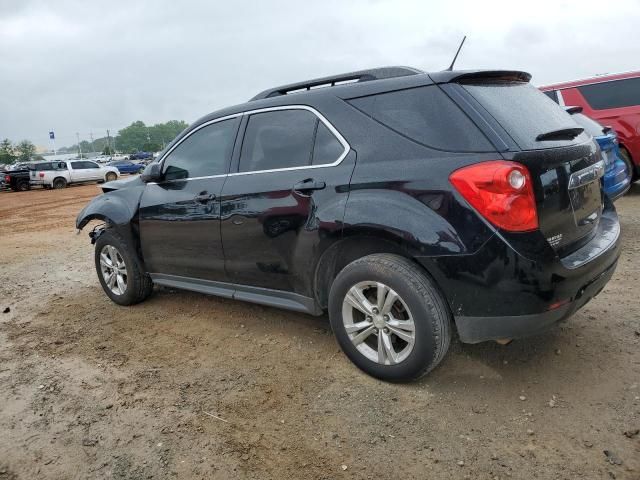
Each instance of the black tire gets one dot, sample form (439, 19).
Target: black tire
(431, 315)
(138, 284)
(626, 158)
(110, 177)
(23, 186)
(59, 183)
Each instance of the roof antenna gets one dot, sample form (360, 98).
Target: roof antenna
(456, 57)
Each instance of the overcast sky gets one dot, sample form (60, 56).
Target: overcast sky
(78, 66)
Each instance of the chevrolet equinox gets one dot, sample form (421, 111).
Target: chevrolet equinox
(405, 204)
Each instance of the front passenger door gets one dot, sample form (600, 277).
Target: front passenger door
(79, 171)
(180, 215)
(93, 170)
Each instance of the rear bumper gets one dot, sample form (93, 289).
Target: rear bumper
(499, 293)
(480, 329)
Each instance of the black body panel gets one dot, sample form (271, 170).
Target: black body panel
(271, 233)
(180, 228)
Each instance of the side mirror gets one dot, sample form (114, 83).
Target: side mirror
(152, 173)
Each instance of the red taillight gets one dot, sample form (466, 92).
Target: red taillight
(501, 191)
(41, 174)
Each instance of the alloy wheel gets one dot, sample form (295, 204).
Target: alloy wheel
(113, 269)
(378, 323)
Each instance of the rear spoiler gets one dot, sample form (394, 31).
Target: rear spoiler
(481, 76)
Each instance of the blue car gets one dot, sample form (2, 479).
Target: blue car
(125, 166)
(617, 177)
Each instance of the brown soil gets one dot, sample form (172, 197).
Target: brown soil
(190, 386)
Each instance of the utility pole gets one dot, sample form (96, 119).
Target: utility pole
(111, 152)
(93, 147)
(79, 147)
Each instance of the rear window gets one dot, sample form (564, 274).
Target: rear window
(613, 94)
(523, 111)
(592, 127)
(426, 116)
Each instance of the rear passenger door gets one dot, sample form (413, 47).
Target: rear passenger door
(281, 200)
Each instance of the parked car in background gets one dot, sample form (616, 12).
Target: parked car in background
(37, 171)
(17, 179)
(76, 171)
(140, 156)
(612, 100)
(617, 176)
(474, 203)
(126, 166)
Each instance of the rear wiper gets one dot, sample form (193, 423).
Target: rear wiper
(561, 134)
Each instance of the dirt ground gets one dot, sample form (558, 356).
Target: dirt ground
(190, 386)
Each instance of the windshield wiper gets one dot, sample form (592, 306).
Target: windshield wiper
(560, 134)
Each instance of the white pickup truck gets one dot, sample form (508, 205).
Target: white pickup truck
(63, 173)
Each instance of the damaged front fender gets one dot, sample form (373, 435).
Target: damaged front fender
(118, 209)
(107, 207)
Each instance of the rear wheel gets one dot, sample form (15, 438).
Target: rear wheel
(59, 183)
(626, 158)
(119, 272)
(110, 177)
(23, 186)
(389, 317)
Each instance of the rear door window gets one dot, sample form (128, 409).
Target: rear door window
(327, 148)
(524, 112)
(612, 94)
(426, 116)
(278, 139)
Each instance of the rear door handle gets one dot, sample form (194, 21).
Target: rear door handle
(205, 197)
(308, 185)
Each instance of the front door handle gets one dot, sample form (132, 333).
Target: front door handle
(308, 185)
(205, 197)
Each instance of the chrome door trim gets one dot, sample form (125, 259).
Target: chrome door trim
(321, 117)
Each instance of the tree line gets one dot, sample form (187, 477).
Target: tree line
(134, 138)
(24, 151)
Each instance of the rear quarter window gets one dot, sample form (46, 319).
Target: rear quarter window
(426, 116)
(612, 94)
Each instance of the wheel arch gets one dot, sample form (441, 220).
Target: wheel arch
(358, 243)
(118, 212)
(66, 182)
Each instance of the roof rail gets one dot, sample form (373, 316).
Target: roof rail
(359, 76)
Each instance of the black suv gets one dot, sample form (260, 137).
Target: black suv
(405, 204)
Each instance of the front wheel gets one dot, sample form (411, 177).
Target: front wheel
(119, 272)
(389, 318)
(110, 177)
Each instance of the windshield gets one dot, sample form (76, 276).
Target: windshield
(524, 112)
